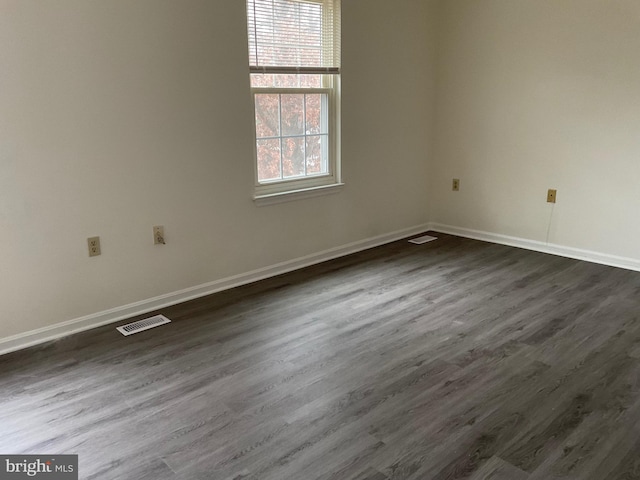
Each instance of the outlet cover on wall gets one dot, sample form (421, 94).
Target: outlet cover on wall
(93, 244)
(158, 235)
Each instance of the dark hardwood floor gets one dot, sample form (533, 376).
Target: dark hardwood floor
(450, 360)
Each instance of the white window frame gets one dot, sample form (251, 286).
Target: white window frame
(314, 181)
(280, 190)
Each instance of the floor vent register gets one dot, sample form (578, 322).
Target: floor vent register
(142, 325)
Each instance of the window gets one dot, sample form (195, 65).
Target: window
(294, 62)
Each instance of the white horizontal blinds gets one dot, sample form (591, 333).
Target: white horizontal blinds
(294, 36)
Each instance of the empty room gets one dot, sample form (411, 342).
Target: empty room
(320, 239)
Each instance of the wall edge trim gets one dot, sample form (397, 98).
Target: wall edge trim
(551, 248)
(59, 330)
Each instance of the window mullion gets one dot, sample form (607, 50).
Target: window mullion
(280, 133)
(304, 130)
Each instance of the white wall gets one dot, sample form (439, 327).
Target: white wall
(117, 115)
(538, 94)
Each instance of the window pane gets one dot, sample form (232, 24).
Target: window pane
(317, 154)
(267, 115)
(268, 154)
(286, 81)
(292, 114)
(299, 123)
(262, 80)
(315, 115)
(311, 81)
(293, 156)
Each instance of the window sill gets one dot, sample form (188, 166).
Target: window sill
(291, 195)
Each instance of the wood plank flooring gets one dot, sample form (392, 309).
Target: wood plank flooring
(456, 359)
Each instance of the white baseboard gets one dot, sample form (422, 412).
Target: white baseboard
(53, 332)
(570, 252)
(59, 330)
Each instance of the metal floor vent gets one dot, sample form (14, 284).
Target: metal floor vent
(422, 239)
(141, 325)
